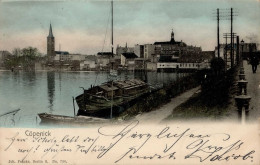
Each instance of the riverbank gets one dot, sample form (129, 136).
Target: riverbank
(214, 102)
(162, 112)
(168, 93)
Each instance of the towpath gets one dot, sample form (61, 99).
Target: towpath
(253, 89)
(164, 111)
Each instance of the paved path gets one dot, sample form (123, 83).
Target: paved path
(253, 89)
(164, 111)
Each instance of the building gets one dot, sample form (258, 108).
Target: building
(139, 50)
(50, 45)
(89, 63)
(120, 50)
(61, 56)
(188, 61)
(128, 59)
(103, 60)
(173, 48)
(149, 51)
(66, 56)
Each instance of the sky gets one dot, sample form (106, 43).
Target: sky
(85, 26)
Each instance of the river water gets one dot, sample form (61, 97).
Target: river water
(52, 92)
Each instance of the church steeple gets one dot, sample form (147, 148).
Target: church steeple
(172, 36)
(50, 45)
(50, 32)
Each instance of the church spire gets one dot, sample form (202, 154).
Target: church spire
(50, 32)
(172, 36)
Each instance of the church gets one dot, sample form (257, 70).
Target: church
(50, 45)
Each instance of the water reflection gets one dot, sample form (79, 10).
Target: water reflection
(51, 89)
(60, 81)
(29, 78)
(33, 94)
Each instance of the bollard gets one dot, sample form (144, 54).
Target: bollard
(242, 87)
(242, 76)
(242, 71)
(242, 101)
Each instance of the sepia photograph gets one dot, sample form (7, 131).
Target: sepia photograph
(130, 82)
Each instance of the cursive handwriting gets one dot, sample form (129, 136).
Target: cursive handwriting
(128, 143)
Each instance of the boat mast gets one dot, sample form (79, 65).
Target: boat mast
(112, 47)
(112, 37)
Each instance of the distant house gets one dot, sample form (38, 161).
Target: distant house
(149, 51)
(61, 56)
(103, 59)
(120, 50)
(104, 54)
(128, 59)
(90, 63)
(139, 50)
(188, 61)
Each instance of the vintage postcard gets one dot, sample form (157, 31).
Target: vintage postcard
(130, 82)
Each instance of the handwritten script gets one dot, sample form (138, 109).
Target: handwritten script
(125, 143)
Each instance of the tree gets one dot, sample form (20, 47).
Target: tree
(217, 65)
(17, 52)
(29, 56)
(30, 52)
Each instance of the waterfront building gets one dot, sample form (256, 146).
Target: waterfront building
(120, 50)
(139, 50)
(50, 45)
(89, 63)
(69, 61)
(128, 59)
(151, 66)
(173, 49)
(188, 61)
(103, 60)
(149, 51)
(61, 56)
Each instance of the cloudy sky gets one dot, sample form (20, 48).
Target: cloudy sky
(81, 26)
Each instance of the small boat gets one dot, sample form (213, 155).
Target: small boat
(77, 120)
(116, 95)
(13, 112)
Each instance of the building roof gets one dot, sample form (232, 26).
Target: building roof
(192, 57)
(91, 58)
(50, 32)
(171, 42)
(62, 52)
(129, 55)
(104, 53)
